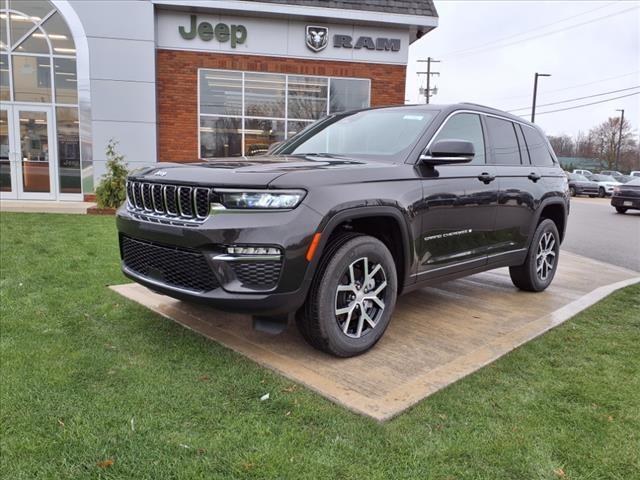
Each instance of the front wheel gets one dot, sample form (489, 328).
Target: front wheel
(541, 263)
(601, 192)
(352, 297)
(572, 191)
(621, 210)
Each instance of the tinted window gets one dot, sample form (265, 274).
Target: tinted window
(465, 126)
(504, 144)
(538, 150)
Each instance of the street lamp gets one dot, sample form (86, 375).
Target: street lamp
(619, 136)
(535, 93)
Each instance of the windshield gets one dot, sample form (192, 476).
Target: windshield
(580, 178)
(384, 133)
(603, 178)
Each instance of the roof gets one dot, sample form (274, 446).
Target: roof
(424, 8)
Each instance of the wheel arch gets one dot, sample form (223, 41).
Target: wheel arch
(555, 210)
(370, 220)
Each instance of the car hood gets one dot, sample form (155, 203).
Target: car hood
(609, 184)
(247, 171)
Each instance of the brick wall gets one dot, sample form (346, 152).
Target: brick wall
(177, 82)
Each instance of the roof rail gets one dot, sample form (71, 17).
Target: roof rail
(480, 105)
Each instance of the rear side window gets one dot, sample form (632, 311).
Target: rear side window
(465, 126)
(504, 143)
(538, 151)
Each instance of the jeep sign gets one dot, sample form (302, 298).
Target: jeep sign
(222, 32)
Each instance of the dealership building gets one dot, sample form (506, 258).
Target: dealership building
(177, 81)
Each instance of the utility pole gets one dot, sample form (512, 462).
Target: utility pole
(619, 136)
(535, 93)
(429, 91)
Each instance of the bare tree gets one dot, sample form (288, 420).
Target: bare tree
(604, 140)
(563, 145)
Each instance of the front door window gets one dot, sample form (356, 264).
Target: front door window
(34, 152)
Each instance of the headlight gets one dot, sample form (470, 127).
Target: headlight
(259, 199)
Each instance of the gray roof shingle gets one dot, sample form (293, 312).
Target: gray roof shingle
(407, 7)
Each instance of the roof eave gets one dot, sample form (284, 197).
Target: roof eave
(414, 22)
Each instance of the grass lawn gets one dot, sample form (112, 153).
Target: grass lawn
(95, 386)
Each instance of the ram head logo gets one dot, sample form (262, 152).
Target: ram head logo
(317, 38)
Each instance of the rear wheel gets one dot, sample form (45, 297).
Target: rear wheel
(621, 210)
(352, 297)
(541, 263)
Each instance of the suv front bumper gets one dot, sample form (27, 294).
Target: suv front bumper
(190, 262)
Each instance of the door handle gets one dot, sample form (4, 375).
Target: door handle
(534, 176)
(486, 178)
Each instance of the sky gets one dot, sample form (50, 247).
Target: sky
(485, 60)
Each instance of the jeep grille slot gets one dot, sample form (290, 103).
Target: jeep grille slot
(174, 204)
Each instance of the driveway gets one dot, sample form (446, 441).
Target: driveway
(596, 231)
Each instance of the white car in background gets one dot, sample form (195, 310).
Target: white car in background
(582, 172)
(606, 184)
(635, 173)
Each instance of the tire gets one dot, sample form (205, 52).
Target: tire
(334, 289)
(621, 210)
(572, 191)
(601, 193)
(592, 196)
(533, 276)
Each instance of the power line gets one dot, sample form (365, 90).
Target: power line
(553, 32)
(572, 86)
(587, 104)
(457, 52)
(574, 99)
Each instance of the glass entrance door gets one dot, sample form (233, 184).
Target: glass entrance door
(35, 152)
(7, 154)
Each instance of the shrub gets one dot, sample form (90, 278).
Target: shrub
(111, 191)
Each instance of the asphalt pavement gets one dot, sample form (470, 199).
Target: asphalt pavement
(596, 231)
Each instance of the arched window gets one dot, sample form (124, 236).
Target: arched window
(38, 66)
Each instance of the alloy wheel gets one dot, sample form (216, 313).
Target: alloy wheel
(545, 256)
(360, 297)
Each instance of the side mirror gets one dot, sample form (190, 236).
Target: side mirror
(444, 152)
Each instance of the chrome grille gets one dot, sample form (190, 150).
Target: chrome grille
(168, 203)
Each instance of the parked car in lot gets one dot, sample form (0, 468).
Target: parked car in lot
(605, 183)
(582, 172)
(581, 185)
(627, 196)
(340, 219)
(635, 173)
(622, 178)
(611, 173)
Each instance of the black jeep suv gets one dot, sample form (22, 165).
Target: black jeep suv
(331, 225)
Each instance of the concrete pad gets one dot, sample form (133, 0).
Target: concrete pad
(38, 206)
(437, 335)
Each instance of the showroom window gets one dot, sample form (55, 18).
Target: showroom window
(242, 113)
(39, 94)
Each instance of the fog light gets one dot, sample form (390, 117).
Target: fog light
(254, 251)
